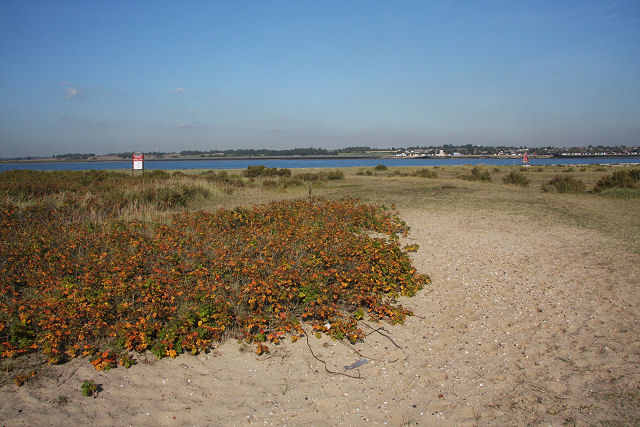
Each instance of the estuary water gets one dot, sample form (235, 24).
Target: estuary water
(295, 163)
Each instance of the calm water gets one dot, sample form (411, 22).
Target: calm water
(308, 163)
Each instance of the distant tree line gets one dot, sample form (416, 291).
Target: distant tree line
(129, 154)
(310, 151)
(264, 152)
(74, 156)
(249, 152)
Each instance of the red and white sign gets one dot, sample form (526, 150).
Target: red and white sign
(138, 161)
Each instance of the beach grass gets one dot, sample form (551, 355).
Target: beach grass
(158, 193)
(613, 212)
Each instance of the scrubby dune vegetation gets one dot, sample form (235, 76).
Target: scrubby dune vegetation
(516, 178)
(564, 184)
(75, 284)
(621, 183)
(478, 173)
(102, 263)
(115, 193)
(118, 280)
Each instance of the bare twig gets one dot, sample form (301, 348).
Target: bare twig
(306, 335)
(362, 355)
(383, 334)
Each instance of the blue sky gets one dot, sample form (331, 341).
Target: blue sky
(112, 76)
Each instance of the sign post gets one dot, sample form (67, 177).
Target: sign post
(138, 162)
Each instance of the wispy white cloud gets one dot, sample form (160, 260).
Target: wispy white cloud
(177, 90)
(71, 92)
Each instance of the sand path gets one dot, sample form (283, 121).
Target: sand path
(523, 324)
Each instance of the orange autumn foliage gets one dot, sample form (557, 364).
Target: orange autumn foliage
(69, 286)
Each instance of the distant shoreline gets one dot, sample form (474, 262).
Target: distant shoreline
(191, 159)
(328, 157)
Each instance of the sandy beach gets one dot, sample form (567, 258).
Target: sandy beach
(524, 323)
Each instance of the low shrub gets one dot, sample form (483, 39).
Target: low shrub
(89, 388)
(516, 178)
(564, 184)
(158, 174)
(301, 178)
(425, 173)
(222, 177)
(108, 193)
(171, 197)
(69, 288)
(289, 182)
(334, 175)
(623, 178)
(478, 173)
(261, 170)
(27, 184)
(380, 167)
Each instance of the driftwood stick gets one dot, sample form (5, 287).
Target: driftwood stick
(383, 334)
(306, 335)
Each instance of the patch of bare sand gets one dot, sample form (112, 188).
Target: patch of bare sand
(523, 324)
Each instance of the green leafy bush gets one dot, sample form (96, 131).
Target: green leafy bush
(89, 388)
